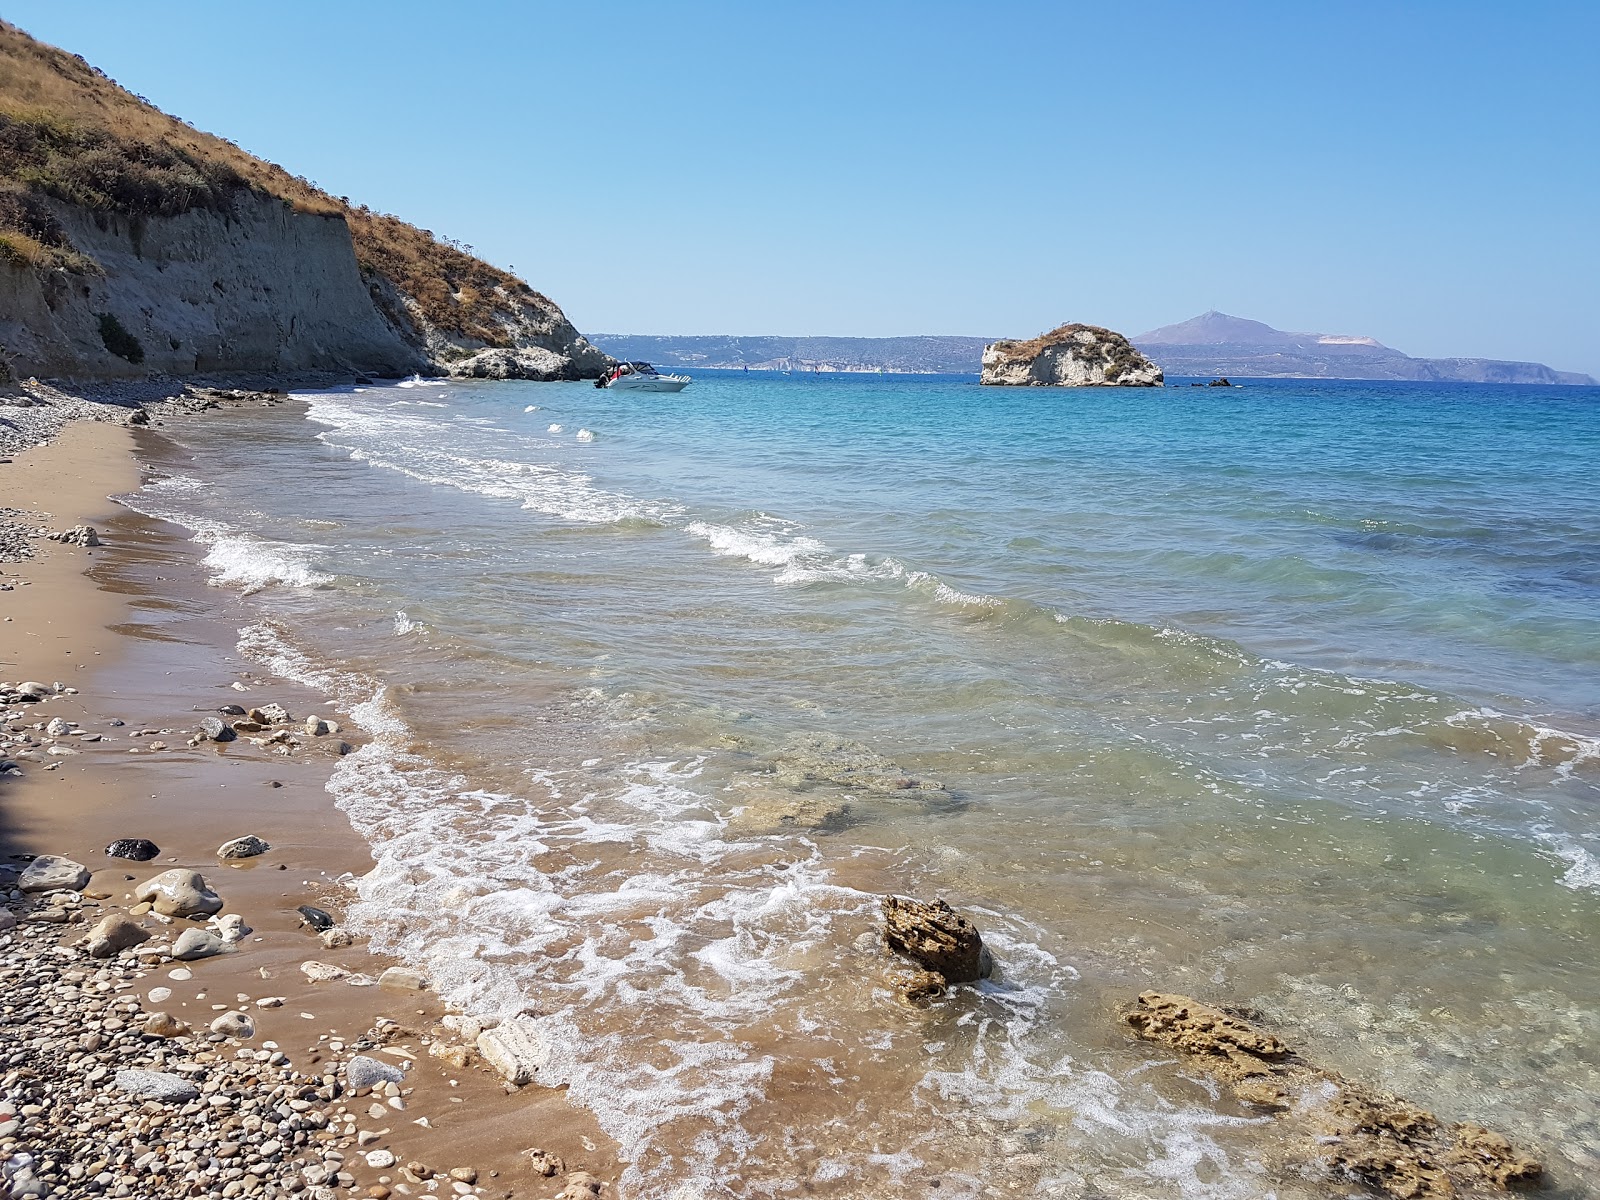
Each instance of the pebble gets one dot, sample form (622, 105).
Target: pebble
(380, 1159)
(198, 943)
(235, 1025)
(362, 1072)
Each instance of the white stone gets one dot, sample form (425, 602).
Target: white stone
(379, 1159)
(516, 1049)
(179, 893)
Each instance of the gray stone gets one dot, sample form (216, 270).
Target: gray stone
(217, 729)
(35, 690)
(179, 893)
(362, 1072)
(516, 1049)
(195, 944)
(243, 847)
(51, 872)
(156, 1085)
(115, 933)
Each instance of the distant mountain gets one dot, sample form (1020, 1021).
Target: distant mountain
(1208, 345)
(1216, 344)
(907, 355)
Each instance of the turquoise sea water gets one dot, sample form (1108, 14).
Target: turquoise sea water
(1285, 695)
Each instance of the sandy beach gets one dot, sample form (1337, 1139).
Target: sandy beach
(134, 652)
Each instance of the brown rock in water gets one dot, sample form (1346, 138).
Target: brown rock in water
(937, 937)
(1360, 1132)
(919, 987)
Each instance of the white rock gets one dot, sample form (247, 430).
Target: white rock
(379, 1159)
(402, 979)
(320, 972)
(51, 872)
(231, 928)
(57, 728)
(516, 1049)
(160, 995)
(193, 944)
(235, 1025)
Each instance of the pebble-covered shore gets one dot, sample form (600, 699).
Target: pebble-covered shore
(105, 1094)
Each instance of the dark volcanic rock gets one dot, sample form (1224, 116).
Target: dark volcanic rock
(315, 919)
(937, 937)
(133, 849)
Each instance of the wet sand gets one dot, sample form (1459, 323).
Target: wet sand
(132, 626)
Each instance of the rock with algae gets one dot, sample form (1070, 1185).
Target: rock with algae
(1364, 1134)
(938, 939)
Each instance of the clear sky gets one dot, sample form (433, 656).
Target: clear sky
(1424, 173)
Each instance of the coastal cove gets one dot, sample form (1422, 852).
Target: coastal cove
(1256, 694)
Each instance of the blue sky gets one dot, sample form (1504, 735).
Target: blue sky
(1426, 173)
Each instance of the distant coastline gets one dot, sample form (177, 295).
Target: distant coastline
(1211, 344)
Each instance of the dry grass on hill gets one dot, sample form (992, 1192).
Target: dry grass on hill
(70, 133)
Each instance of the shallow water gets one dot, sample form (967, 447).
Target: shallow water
(1284, 695)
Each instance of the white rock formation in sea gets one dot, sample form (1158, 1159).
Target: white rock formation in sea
(1070, 356)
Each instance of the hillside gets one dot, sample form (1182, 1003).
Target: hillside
(908, 355)
(1215, 343)
(1208, 345)
(132, 242)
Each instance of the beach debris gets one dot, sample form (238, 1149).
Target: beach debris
(937, 938)
(314, 919)
(133, 849)
(114, 933)
(363, 1073)
(179, 893)
(248, 846)
(78, 535)
(194, 944)
(216, 729)
(1359, 1132)
(516, 1049)
(51, 872)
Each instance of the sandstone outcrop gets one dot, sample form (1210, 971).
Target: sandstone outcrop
(1070, 356)
(1358, 1132)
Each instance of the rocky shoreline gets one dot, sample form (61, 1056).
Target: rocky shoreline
(153, 1043)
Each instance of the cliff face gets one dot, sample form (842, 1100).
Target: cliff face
(1070, 356)
(259, 289)
(132, 243)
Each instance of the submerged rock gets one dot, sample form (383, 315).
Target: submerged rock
(937, 937)
(1364, 1134)
(763, 810)
(808, 758)
(1070, 356)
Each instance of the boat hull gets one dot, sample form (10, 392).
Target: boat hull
(644, 383)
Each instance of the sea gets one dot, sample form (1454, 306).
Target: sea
(1285, 696)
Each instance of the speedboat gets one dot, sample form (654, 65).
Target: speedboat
(640, 377)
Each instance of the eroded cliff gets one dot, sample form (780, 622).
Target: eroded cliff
(131, 243)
